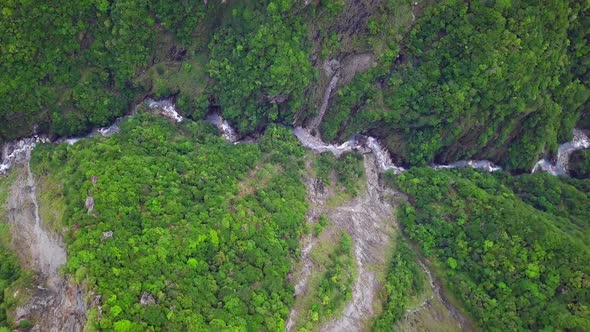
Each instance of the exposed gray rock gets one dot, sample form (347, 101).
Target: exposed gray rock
(370, 221)
(56, 303)
(355, 64)
(332, 69)
(279, 99)
(147, 299)
(89, 204)
(106, 235)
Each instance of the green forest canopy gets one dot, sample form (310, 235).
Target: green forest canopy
(68, 66)
(501, 80)
(210, 252)
(514, 250)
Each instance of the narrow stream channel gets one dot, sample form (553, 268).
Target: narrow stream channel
(13, 152)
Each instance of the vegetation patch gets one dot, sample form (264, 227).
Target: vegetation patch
(345, 174)
(69, 67)
(580, 164)
(512, 254)
(329, 288)
(260, 62)
(52, 204)
(187, 80)
(5, 183)
(185, 249)
(470, 80)
(404, 281)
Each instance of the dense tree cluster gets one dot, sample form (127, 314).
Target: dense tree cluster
(67, 66)
(9, 273)
(580, 164)
(195, 243)
(335, 285)
(475, 77)
(348, 171)
(514, 249)
(261, 64)
(404, 279)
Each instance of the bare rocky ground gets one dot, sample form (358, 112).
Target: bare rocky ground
(354, 64)
(369, 220)
(54, 302)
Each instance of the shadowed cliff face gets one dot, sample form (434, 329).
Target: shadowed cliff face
(56, 304)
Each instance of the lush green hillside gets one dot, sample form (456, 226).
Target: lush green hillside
(203, 230)
(261, 64)
(10, 272)
(68, 66)
(204, 233)
(404, 279)
(500, 80)
(513, 250)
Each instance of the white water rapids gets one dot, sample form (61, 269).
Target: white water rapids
(560, 167)
(224, 127)
(16, 151)
(357, 143)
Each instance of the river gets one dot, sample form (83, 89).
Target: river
(15, 151)
(560, 166)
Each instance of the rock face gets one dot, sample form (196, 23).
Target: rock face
(89, 204)
(56, 303)
(355, 64)
(370, 221)
(332, 70)
(56, 309)
(106, 235)
(147, 299)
